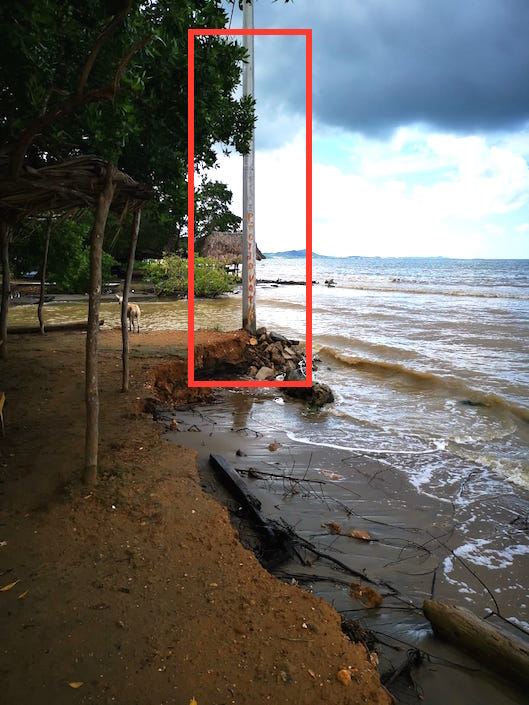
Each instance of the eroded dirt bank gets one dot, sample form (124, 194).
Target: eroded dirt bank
(139, 589)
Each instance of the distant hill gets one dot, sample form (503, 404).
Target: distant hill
(295, 254)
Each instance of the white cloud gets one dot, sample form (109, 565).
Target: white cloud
(280, 194)
(420, 193)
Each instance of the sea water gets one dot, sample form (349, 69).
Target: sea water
(421, 354)
(428, 360)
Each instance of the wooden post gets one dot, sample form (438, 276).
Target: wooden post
(6, 285)
(43, 274)
(94, 301)
(124, 303)
(503, 654)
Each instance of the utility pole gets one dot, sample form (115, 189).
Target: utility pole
(249, 278)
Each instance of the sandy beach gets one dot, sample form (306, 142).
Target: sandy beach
(138, 590)
(141, 589)
(326, 494)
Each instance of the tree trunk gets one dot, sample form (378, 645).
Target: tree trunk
(124, 303)
(6, 285)
(94, 301)
(504, 654)
(43, 275)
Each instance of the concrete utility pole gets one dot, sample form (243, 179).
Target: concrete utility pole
(249, 278)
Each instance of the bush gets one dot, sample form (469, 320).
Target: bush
(169, 276)
(69, 254)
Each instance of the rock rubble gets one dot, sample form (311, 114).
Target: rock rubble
(271, 354)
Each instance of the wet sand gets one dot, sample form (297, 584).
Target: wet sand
(137, 590)
(140, 589)
(463, 541)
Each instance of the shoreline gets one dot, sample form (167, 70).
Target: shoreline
(413, 535)
(138, 590)
(149, 562)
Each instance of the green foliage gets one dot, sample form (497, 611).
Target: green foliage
(68, 258)
(169, 276)
(137, 112)
(212, 209)
(211, 278)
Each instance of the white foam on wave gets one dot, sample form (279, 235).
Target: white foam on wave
(514, 470)
(478, 553)
(354, 449)
(519, 622)
(463, 588)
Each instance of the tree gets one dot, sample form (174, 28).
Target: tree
(169, 276)
(212, 209)
(122, 92)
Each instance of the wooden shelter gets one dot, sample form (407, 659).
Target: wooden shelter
(66, 188)
(225, 247)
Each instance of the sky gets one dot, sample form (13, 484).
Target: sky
(420, 128)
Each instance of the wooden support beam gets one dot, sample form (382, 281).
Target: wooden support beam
(94, 301)
(2, 402)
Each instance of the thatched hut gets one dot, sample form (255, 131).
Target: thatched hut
(225, 248)
(67, 186)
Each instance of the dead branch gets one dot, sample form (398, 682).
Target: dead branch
(252, 472)
(472, 572)
(414, 658)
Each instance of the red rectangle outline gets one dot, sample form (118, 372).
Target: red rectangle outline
(191, 382)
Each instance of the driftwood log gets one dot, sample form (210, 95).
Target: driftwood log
(238, 488)
(281, 541)
(51, 327)
(504, 654)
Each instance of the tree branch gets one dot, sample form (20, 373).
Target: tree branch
(105, 34)
(128, 56)
(69, 106)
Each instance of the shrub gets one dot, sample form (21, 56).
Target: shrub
(169, 276)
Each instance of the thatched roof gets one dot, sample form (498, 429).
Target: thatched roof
(63, 187)
(225, 247)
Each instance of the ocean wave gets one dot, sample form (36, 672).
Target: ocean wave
(430, 291)
(515, 470)
(334, 341)
(457, 387)
(360, 449)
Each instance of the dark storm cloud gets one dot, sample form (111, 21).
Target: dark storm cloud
(378, 64)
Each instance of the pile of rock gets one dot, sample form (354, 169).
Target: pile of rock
(271, 354)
